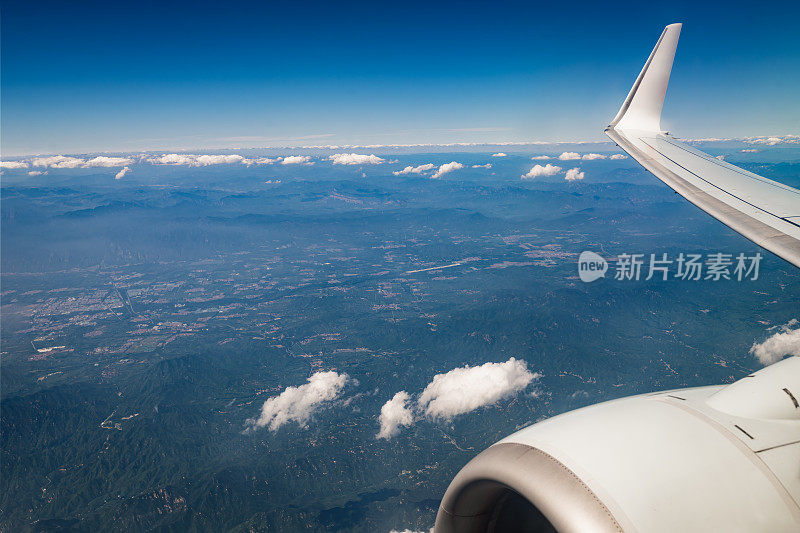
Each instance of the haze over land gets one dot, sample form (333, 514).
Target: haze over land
(319, 339)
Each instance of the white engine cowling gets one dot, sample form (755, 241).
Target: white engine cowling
(720, 458)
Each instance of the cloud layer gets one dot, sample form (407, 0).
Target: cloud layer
(297, 404)
(785, 342)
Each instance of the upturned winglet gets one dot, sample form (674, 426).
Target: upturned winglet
(642, 108)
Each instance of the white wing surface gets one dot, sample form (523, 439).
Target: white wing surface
(764, 211)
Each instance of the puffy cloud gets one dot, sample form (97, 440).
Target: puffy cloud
(58, 161)
(467, 388)
(172, 159)
(265, 161)
(487, 165)
(395, 413)
(103, 161)
(297, 404)
(569, 156)
(36, 173)
(499, 154)
(205, 160)
(13, 164)
(574, 174)
(194, 160)
(616, 157)
(121, 173)
(539, 170)
(785, 342)
(296, 160)
(592, 157)
(356, 159)
(772, 140)
(415, 170)
(447, 167)
(540, 157)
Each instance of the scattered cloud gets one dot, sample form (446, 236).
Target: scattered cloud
(540, 157)
(194, 160)
(487, 165)
(58, 161)
(356, 159)
(12, 165)
(447, 167)
(772, 140)
(785, 342)
(395, 413)
(265, 161)
(297, 404)
(296, 160)
(574, 174)
(749, 150)
(569, 156)
(103, 161)
(499, 154)
(121, 173)
(539, 170)
(618, 156)
(415, 170)
(592, 157)
(36, 173)
(468, 388)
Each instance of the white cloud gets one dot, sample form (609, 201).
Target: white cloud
(539, 170)
(487, 165)
(395, 413)
(265, 161)
(540, 157)
(785, 342)
(296, 160)
(58, 161)
(297, 404)
(121, 173)
(574, 174)
(13, 164)
(356, 159)
(592, 157)
(467, 388)
(205, 160)
(569, 156)
(499, 154)
(194, 160)
(749, 150)
(36, 173)
(618, 156)
(721, 157)
(415, 170)
(447, 167)
(103, 161)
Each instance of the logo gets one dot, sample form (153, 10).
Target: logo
(591, 266)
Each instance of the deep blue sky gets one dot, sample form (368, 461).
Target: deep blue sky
(138, 75)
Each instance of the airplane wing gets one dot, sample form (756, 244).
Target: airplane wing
(764, 211)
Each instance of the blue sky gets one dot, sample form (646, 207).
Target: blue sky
(81, 77)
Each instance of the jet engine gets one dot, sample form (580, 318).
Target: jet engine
(718, 458)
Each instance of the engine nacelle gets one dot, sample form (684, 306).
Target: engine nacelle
(720, 458)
